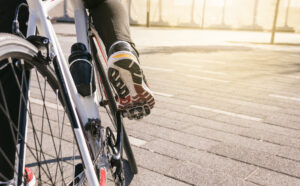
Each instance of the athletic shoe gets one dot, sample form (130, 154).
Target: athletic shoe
(127, 78)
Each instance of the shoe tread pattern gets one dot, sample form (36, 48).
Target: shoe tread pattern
(131, 67)
(143, 96)
(117, 82)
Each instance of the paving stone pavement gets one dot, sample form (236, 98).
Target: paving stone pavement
(225, 113)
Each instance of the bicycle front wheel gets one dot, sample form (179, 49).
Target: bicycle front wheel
(34, 128)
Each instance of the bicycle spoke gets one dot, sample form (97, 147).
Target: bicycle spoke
(12, 125)
(60, 131)
(51, 149)
(42, 127)
(37, 142)
(47, 116)
(6, 158)
(39, 147)
(3, 177)
(6, 112)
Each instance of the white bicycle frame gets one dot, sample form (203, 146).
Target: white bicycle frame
(86, 107)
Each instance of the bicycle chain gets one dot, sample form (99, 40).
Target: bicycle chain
(116, 165)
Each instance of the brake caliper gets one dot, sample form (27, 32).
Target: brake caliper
(44, 46)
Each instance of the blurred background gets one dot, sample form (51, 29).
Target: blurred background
(221, 14)
(255, 15)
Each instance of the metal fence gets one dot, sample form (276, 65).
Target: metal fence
(215, 14)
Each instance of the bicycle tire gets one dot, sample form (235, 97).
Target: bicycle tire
(51, 148)
(100, 66)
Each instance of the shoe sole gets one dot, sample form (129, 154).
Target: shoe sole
(142, 94)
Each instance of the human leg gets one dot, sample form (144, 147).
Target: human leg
(111, 21)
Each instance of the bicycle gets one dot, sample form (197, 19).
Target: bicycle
(83, 149)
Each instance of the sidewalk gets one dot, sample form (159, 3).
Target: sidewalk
(170, 37)
(226, 113)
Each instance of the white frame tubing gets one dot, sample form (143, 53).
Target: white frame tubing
(38, 18)
(89, 103)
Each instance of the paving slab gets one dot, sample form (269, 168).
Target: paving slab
(266, 177)
(202, 176)
(226, 113)
(205, 159)
(259, 145)
(258, 158)
(147, 177)
(172, 135)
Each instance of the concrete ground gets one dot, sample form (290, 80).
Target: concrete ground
(227, 107)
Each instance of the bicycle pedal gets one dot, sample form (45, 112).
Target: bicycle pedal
(137, 112)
